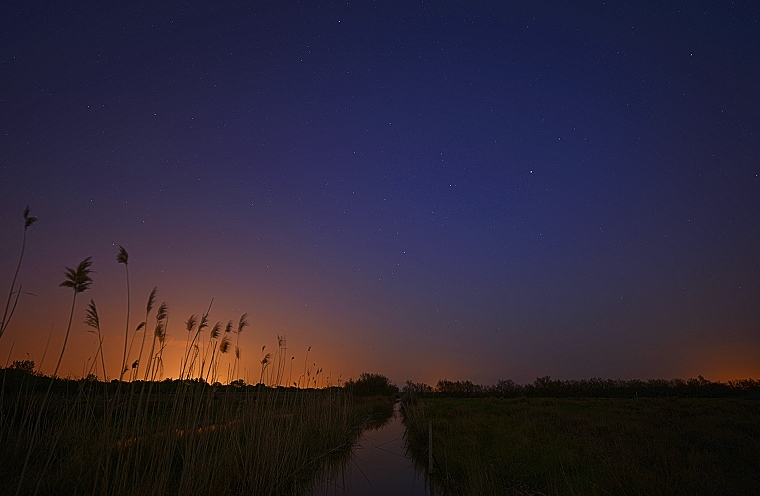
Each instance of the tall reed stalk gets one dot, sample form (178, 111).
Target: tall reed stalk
(79, 281)
(123, 258)
(93, 320)
(148, 308)
(159, 333)
(242, 324)
(10, 309)
(191, 346)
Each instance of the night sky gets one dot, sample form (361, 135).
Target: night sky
(428, 190)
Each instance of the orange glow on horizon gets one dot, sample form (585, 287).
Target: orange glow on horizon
(336, 348)
(723, 362)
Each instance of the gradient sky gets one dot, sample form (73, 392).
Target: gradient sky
(462, 190)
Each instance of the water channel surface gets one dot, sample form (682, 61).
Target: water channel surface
(378, 466)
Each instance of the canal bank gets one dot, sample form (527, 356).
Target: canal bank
(378, 465)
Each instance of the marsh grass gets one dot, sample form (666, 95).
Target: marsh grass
(193, 438)
(573, 446)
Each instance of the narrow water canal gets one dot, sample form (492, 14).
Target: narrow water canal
(378, 466)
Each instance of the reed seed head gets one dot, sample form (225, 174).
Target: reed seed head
(78, 279)
(215, 330)
(160, 332)
(204, 322)
(28, 219)
(163, 311)
(243, 323)
(123, 256)
(92, 319)
(224, 346)
(151, 300)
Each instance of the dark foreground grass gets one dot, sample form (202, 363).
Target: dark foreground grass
(194, 439)
(590, 446)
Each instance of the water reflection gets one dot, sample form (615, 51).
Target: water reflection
(378, 465)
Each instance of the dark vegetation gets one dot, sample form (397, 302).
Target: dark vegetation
(372, 385)
(588, 437)
(588, 446)
(546, 387)
(183, 437)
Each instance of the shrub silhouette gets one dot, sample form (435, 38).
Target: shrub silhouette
(23, 365)
(372, 385)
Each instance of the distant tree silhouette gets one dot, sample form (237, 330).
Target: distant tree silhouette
(23, 366)
(416, 388)
(371, 385)
(459, 388)
(547, 387)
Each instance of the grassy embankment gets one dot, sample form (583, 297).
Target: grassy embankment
(190, 438)
(590, 446)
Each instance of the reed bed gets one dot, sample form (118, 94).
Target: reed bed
(192, 439)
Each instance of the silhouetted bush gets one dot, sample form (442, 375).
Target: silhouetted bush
(417, 389)
(23, 365)
(371, 385)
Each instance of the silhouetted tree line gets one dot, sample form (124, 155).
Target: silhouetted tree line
(546, 387)
(21, 374)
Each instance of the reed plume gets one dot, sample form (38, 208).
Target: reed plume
(264, 363)
(93, 320)
(224, 347)
(192, 345)
(305, 361)
(148, 308)
(212, 340)
(158, 333)
(242, 324)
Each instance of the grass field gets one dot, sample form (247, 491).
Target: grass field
(590, 446)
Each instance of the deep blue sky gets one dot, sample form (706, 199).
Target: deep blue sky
(469, 190)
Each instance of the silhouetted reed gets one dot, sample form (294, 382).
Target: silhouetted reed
(79, 281)
(11, 302)
(123, 258)
(242, 324)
